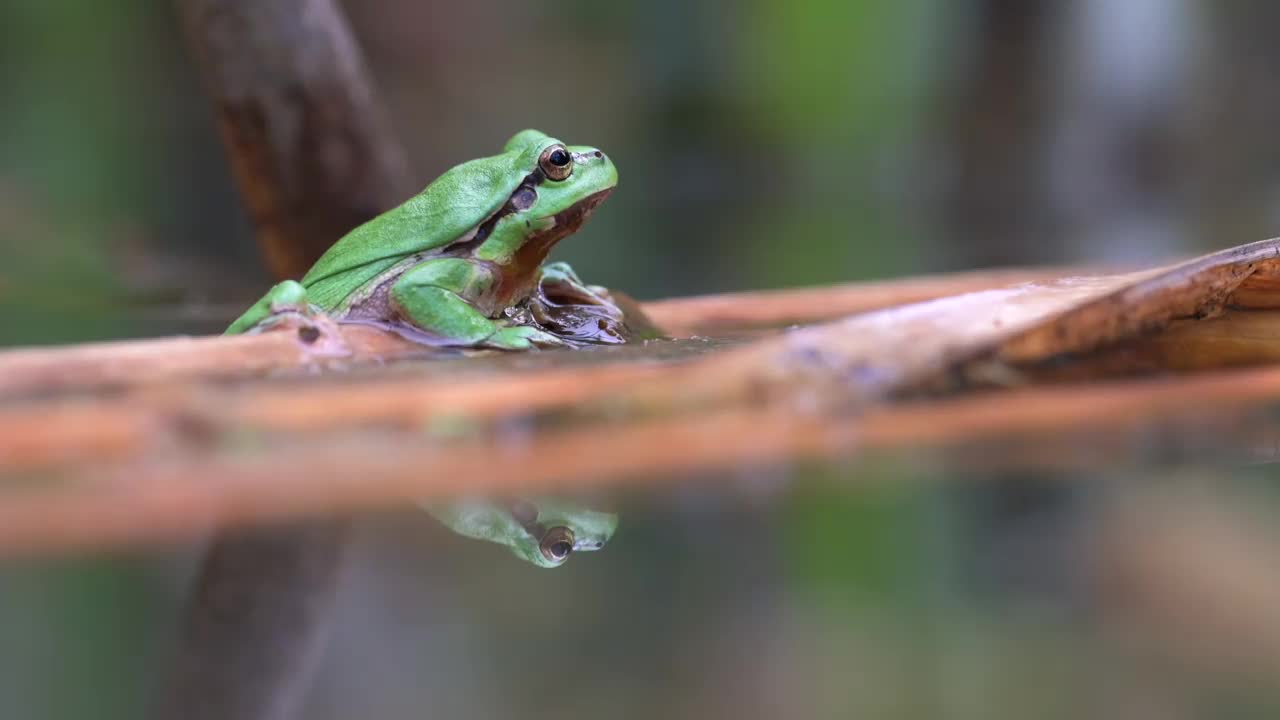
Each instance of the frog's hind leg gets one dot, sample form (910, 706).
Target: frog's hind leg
(286, 297)
(430, 296)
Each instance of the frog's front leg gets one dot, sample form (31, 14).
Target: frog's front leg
(559, 285)
(575, 310)
(288, 298)
(432, 296)
(559, 276)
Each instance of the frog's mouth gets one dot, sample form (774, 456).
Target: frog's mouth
(573, 216)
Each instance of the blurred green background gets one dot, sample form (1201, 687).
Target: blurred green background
(766, 143)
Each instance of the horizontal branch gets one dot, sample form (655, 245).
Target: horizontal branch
(39, 371)
(727, 312)
(189, 492)
(177, 449)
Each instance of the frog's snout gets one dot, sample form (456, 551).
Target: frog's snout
(590, 155)
(596, 166)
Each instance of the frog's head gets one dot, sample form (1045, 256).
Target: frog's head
(565, 182)
(543, 531)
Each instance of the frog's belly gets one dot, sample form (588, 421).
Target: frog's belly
(374, 304)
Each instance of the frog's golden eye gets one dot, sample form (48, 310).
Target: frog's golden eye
(557, 544)
(556, 162)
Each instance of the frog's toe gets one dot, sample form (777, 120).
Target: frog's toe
(286, 317)
(522, 338)
(288, 296)
(287, 300)
(559, 272)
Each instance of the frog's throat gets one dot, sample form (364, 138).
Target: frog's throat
(517, 276)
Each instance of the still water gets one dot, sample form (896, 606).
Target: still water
(977, 582)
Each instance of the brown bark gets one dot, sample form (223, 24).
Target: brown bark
(38, 371)
(996, 123)
(256, 622)
(730, 312)
(163, 496)
(165, 458)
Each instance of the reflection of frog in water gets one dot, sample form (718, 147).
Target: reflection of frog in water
(545, 532)
(460, 265)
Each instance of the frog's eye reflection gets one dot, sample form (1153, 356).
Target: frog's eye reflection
(557, 544)
(524, 512)
(556, 162)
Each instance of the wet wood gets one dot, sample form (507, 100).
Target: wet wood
(201, 483)
(993, 337)
(35, 371)
(169, 455)
(193, 418)
(730, 312)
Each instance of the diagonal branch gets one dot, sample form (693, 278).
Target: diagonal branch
(310, 144)
(313, 156)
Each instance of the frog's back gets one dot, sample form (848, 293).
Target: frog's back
(457, 201)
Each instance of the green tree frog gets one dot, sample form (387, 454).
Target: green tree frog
(446, 266)
(543, 531)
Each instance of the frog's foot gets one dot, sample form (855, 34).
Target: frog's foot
(286, 300)
(521, 337)
(573, 310)
(285, 307)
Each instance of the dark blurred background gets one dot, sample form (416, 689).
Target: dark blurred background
(761, 144)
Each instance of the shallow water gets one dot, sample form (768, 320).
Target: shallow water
(899, 587)
(904, 583)
(1097, 570)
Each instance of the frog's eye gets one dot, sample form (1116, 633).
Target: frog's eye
(556, 162)
(557, 544)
